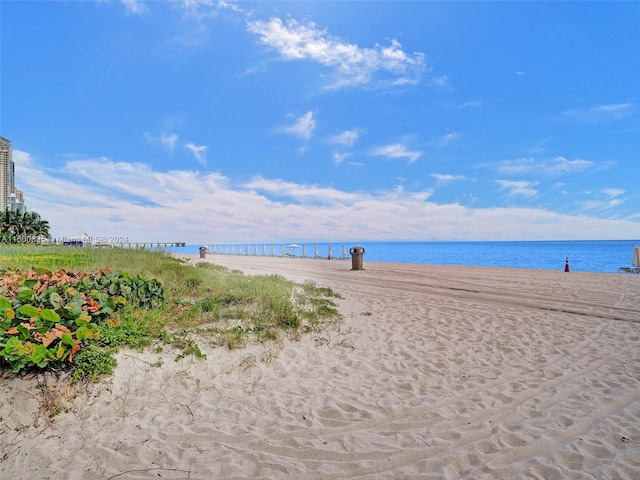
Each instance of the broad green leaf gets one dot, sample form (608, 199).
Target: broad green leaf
(82, 333)
(24, 333)
(25, 294)
(83, 319)
(39, 356)
(4, 303)
(11, 345)
(68, 340)
(28, 310)
(30, 283)
(49, 315)
(9, 314)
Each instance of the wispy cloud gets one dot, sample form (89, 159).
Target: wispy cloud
(605, 200)
(601, 113)
(346, 138)
(446, 178)
(338, 157)
(561, 165)
(313, 194)
(165, 140)
(517, 166)
(199, 152)
(612, 192)
(303, 126)
(518, 188)
(168, 140)
(556, 166)
(350, 64)
(441, 83)
(446, 139)
(397, 150)
(135, 7)
(471, 104)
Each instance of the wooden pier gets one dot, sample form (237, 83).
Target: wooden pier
(135, 245)
(143, 245)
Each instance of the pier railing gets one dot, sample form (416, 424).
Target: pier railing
(276, 250)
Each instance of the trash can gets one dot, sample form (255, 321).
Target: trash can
(356, 257)
(203, 252)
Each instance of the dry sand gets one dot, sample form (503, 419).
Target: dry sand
(437, 372)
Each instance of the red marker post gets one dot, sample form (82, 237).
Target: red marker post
(566, 265)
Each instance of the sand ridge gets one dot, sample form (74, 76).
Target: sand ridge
(437, 372)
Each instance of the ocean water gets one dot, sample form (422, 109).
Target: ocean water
(585, 256)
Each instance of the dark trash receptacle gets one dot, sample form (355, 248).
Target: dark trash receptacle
(203, 252)
(356, 257)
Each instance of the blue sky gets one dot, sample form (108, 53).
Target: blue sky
(212, 122)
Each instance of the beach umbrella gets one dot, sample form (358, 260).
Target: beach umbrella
(293, 246)
(282, 250)
(636, 256)
(330, 249)
(317, 254)
(304, 250)
(264, 249)
(255, 249)
(247, 250)
(273, 250)
(344, 251)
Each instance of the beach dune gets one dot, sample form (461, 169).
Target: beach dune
(436, 372)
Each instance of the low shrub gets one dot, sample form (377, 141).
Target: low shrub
(47, 317)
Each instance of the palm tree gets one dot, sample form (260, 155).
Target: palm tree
(38, 226)
(15, 227)
(9, 224)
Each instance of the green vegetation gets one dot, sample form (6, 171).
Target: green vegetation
(71, 308)
(25, 227)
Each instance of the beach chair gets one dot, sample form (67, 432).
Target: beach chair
(625, 270)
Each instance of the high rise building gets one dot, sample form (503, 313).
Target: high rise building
(7, 172)
(17, 201)
(10, 197)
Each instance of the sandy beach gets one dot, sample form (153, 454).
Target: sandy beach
(436, 372)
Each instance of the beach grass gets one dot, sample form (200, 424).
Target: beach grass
(203, 303)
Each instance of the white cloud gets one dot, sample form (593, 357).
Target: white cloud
(346, 138)
(557, 166)
(562, 165)
(169, 141)
(518, 188)
(471, 104)
(601, 113)
(199, 152)
(136, 7)
(351, 65)
(517, 166)
(312, 194)
(396, 150)
(612, 192)
(303, 127)
(441, 83)
(108, 198)
(446, 139)
(338, 158)
(165, 140)
(446, 178)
